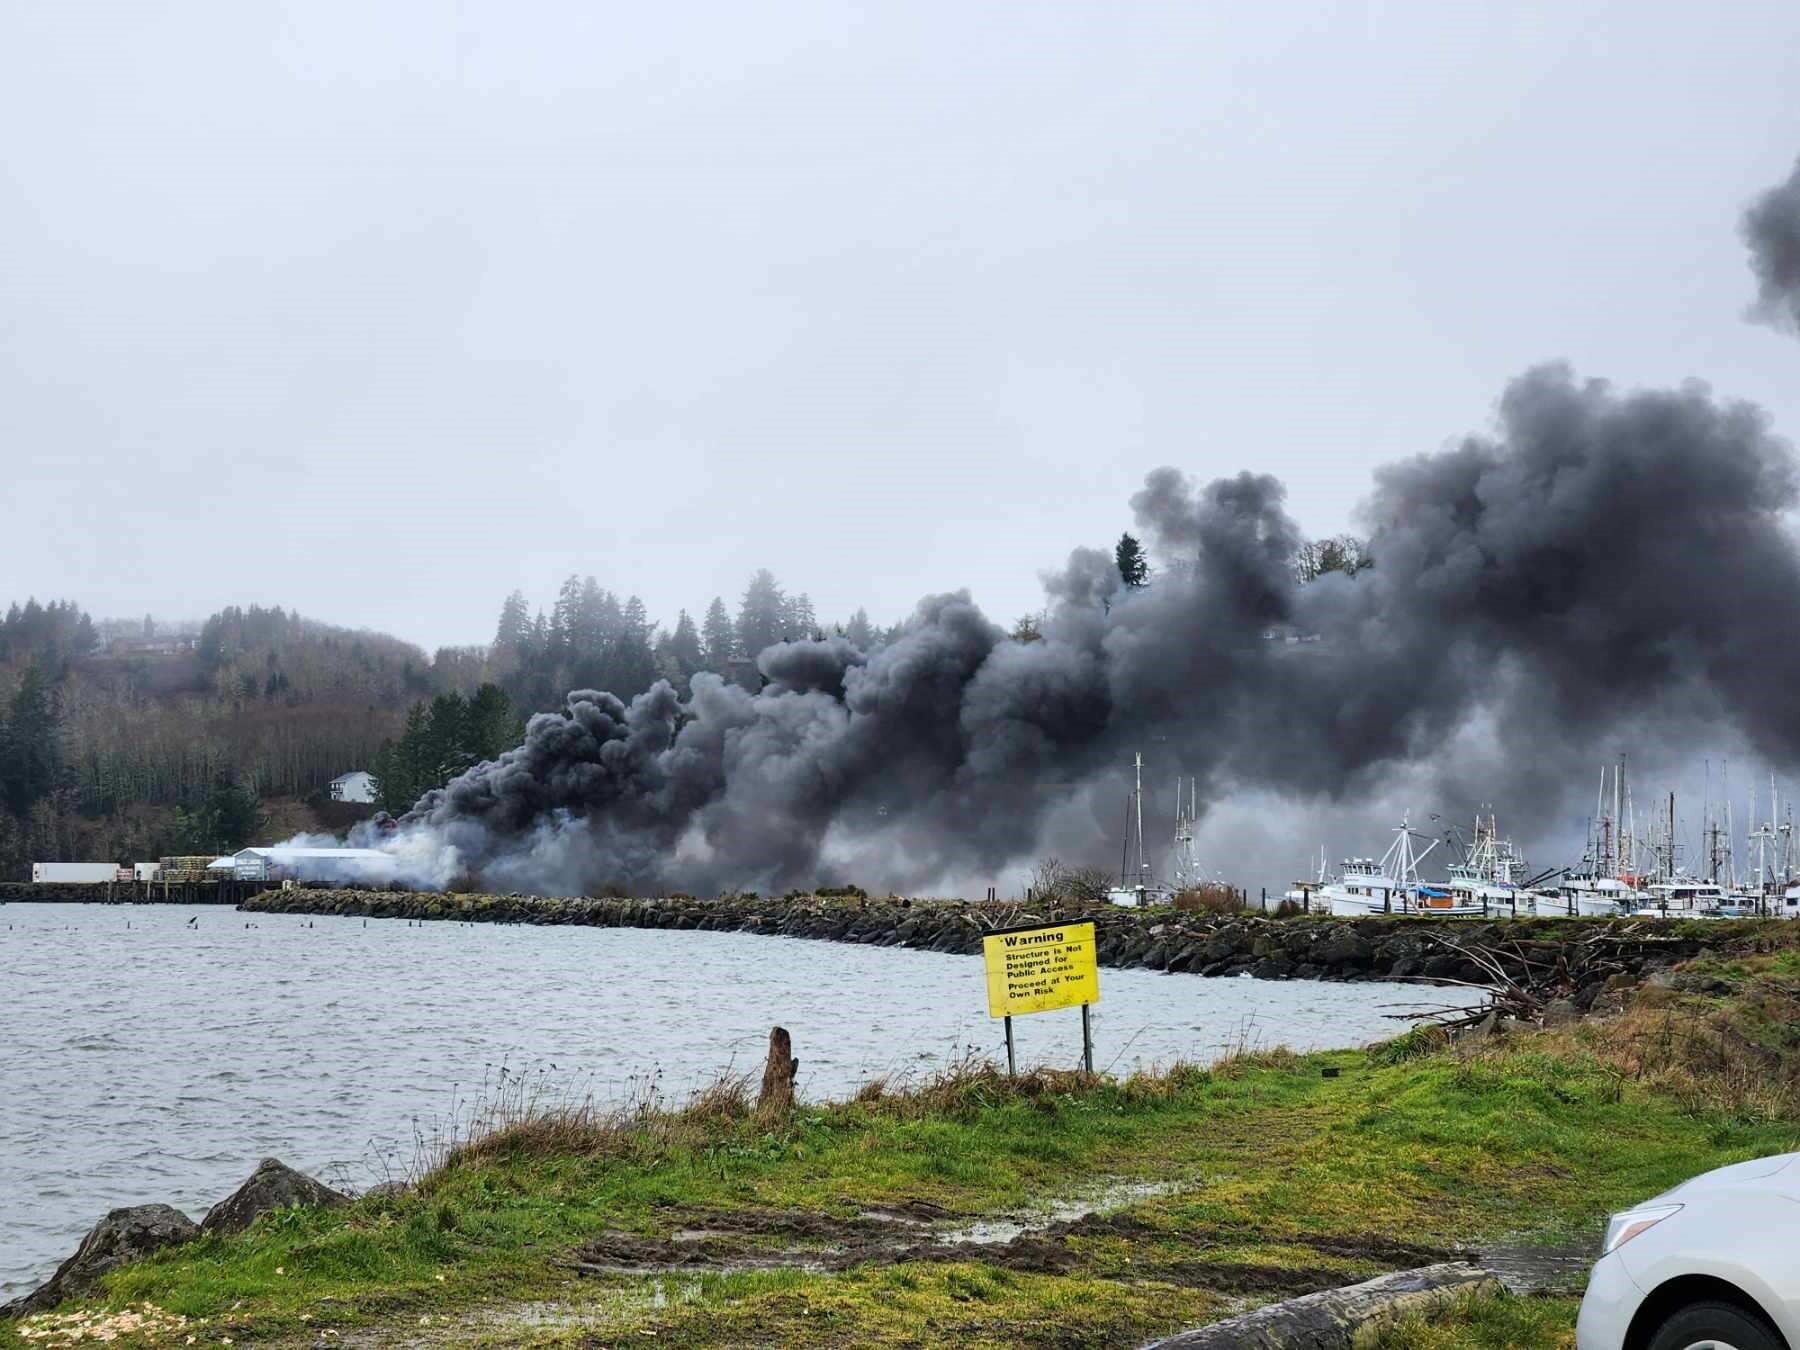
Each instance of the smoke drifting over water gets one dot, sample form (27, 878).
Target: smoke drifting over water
(1772, 230)
(1605, 566)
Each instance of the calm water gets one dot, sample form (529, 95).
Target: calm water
(160, 1061)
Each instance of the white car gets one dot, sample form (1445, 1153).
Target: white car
(1712, 1265)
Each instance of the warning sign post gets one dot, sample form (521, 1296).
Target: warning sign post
(1039, 969)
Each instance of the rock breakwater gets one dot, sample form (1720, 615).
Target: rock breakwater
(1305, 948)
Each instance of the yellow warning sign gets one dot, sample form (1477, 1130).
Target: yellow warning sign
(1038, 969)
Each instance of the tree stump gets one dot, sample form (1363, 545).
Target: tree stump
(777, 1095)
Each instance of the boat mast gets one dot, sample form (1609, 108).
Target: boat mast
(1186, 868)
(1137, 798)
(1671, 841)
(1730, 832)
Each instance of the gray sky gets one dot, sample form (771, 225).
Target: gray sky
(380, 311)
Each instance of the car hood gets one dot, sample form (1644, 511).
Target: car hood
(1778, 1166)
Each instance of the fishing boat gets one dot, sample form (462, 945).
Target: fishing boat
(1605, 885)
(1585, 895)
(1487, 880)
(1389, 885)
(1301, 893)
(1683, 897)
(1670, 891)
(1790, 903)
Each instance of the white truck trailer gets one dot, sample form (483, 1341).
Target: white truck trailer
(74, 873)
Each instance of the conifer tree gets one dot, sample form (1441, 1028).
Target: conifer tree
(720, 637)
(1134, 569)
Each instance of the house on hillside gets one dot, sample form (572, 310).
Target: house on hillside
(356, 786)
(161, 646)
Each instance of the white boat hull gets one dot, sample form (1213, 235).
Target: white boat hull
(1598, 905)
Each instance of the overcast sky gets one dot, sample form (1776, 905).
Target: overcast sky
(382, 310)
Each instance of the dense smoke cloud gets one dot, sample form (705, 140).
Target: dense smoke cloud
(1772, 230)
(1604, 564)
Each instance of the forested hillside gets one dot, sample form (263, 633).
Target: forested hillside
(171, 740)
(128, 739)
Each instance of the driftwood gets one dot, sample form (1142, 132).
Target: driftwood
(1523, 982)
(1337, 1319)
(777, 1095)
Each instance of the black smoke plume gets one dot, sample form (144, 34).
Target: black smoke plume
(1605, 566)
(1771, 228)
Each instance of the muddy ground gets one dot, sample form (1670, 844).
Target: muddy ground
(711, 1240)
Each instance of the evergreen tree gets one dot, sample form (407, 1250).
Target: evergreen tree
(442, 739)
(31, 750)
(514, 632)
(1134, 569)
(236, 815)
(447, 749)
(762, 614)
(684, 647)
(719, 635)
(566, 619)
(492, 727)
(801, 622)
(860, 631)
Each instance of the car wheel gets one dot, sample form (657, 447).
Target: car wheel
(1715, 1326)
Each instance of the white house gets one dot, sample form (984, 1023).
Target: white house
(355, 786)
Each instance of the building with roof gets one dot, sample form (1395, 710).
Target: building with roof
(278, 862)
(356, 786)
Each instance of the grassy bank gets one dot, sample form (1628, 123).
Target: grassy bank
(850, 1224)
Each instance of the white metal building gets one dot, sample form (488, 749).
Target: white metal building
(73, 873)
(356, 786)
(279, 863)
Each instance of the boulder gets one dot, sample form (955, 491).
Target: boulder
(273, 1185)
(1348, 949)
(124, 1235)
(1560, 1012)
(1188, 958)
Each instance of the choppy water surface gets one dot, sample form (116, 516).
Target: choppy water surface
(161, 1060)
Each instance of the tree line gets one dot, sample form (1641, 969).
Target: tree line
(592, 639)
(135, 754)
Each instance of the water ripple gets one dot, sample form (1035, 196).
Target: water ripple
(160, 1062)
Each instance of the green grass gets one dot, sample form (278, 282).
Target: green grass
(1268, 1163)
(1486, 1322)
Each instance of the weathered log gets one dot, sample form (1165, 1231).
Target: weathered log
(1338, 1319)
(777, 1095)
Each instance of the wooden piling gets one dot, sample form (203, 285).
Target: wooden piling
(777, 1095)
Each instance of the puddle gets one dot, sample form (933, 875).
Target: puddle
(1121, 1195)
(1038, 1242)
(1533, 1270)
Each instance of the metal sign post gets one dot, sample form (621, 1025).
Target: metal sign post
(1041, 968)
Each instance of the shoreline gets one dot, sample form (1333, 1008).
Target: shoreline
(1302, 947)
(981, 1208)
